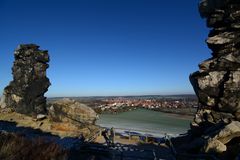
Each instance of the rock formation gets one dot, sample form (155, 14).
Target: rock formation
(23, 99)
(216, 126)
(71, 118)
(25, 94)
(67, 110)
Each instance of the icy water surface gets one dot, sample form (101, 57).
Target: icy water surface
(150, 122)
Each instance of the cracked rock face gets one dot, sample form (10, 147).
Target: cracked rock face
(217, 83)
(25, 94)
(67, 110)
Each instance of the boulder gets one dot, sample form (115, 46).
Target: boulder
(25, 94)
(228, 132)
(214, 146)
(220, 137)
(67, 110)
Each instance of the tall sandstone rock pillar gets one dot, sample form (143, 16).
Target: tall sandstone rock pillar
(216, 126)
(217, 83)
(25, 94)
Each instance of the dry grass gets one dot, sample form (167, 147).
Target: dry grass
(64, 127)
(61, 129)
(17, 147)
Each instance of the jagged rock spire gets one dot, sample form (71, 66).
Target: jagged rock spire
(216, 126)
(25, 94)
(217, 83)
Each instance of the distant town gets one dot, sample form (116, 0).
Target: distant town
(179, 104)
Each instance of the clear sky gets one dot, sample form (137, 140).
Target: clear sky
(107, 47)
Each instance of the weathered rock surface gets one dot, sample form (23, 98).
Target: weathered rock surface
(217, 84)
(25, 94)
(2, 102)
(216, 126)
(67, 110)
(215, 146)
(41, 117)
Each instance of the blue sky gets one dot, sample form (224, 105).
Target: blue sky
(107, 47)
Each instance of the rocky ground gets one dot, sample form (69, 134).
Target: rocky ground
(61, 129)
(20, 134)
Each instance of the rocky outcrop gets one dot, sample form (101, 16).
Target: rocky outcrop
(25, 94)
(216, 126)
(217, 83)
(67, 110)
(23, 99)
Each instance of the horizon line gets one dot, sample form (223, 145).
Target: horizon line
(185, 94)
